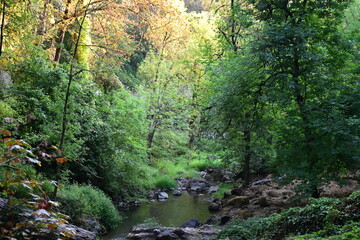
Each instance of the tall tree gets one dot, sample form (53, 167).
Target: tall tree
(301, 48)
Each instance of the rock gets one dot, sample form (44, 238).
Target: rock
(3, 203)
(237, 191)
(203, 233)
(213, 189)
(162, 196)
(214, 207)
(273, 193)
(224, 220)
(167, 235)
(5, 80)
(262, 202)
(91, 224)
(135, 203)
(203, 174)
(262, 181)
(238, 201)
(122, 205)
(227, 194)
(177, 192)
(211, 220)
(81, 234)
(193, 223)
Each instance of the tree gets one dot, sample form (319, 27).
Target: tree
(239, 86)
(302, 51)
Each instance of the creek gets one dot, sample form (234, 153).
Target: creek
(171, 213)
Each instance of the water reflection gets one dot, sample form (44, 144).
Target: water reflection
(172, 212)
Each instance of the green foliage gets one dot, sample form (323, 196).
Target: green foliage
(201, 162)
(325, 216)
(80, 201)
(6, 110)
(165, 182)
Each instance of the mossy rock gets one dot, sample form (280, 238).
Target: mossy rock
(238, 201)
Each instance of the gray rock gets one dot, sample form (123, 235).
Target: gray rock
(213, 189)
(162, 196)
(3, 203)
(203, 233)
(177, 192)
(211, 220)
(167, 235)
(193, 223)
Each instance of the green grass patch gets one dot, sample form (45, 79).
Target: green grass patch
(80, 201)
(165, 182)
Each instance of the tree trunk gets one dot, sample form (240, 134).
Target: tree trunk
(2, 26)
(247, 156)
(62, 32)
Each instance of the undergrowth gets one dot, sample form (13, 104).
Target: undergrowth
(323, 218)
(81, 201)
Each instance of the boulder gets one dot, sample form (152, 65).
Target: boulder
(193, 223)
(211, 220)
(177, 192)
(238, 201)
(262, 202)
(162, 196)
(227, 194)
(224, 220)
(237, 191)
(214, 207)
(91, 224)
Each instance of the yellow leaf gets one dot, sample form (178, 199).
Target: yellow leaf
(55, 148)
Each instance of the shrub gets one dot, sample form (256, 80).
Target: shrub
(80, 201)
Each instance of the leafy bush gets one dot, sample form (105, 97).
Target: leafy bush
(324, 217)
(80, 201)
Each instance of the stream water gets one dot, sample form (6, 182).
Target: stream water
(171, 213)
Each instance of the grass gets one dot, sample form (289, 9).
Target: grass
(224, 187)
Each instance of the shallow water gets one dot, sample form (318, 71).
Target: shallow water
(171, 213)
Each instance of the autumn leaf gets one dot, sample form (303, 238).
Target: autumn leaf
(61, 160)
(5, 132)
(55, 148)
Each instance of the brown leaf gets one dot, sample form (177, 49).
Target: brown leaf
(61, 160)
(5, 132)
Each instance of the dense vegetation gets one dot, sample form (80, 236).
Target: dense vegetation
(115, 97)
(323, 218)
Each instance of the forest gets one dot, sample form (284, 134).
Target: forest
(104, 100)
